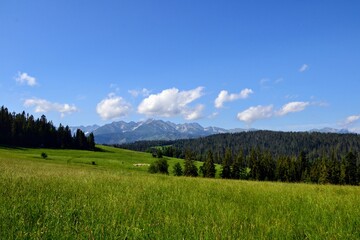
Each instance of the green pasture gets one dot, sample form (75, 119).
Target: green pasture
(67, 197)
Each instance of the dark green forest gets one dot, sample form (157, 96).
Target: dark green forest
(268, 155)
(23, 130)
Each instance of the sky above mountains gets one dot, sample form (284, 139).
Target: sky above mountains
(279, 65)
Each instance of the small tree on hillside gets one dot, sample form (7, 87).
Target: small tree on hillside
(159, 166)
(44, 155)
(177, 169)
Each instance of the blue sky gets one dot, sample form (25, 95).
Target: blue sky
(280, 65)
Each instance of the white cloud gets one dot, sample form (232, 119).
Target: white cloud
(351, 119)
(172, 102)
(292, 107)
(42, 105)
(224, 96)
(255, 113)
(143, 92)
(195, 113)
(213, 115)
(24, 78)
(252, 114)
(113, 107)
(264, 81)
(303, 68)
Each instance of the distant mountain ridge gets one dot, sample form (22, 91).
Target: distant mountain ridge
(151, 129)
(331, 130)
(86, 129)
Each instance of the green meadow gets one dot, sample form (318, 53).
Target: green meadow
(67, 197)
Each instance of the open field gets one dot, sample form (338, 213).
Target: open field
(65, 196)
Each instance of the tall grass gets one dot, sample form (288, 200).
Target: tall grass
(62, 199)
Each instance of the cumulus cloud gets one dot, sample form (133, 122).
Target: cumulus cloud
(255, 113)
(113, 107)
(195, 113)
(224, 96)
(24, 78)
(143, 92)
(303, 68)
(43, 106)
(213, 115)
(172, 102)
(351, 119)
(252, 114)
(292, 107)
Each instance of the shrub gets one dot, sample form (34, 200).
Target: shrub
(177, 169)
(159, 166)
(44, 155)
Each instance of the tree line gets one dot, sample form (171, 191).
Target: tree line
(23, 130)
(263, 166)
(314, 144)
(274, 156)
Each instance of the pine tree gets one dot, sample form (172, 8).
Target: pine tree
(323, 171)
(267, 166)
(91, 142)
(236, 166)
(351, 170)
(226, 163)
(334, 166)
(208, 167)
(190, 168)
(177, 169)
(343, 167)
(254, 164)
(302, 167)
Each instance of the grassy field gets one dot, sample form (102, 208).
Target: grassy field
(66, 197)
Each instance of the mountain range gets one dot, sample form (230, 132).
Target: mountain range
(152, 129)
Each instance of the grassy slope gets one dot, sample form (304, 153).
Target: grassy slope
(67, 197)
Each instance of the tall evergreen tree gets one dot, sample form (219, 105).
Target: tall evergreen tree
(343, 168)
(323, 171)
(267, 166)
(351, 169)
(334, 165)
(254, 164)
(302, 167)
(236, 166)
(190, 168)
(209, 166)
(91, 142)
(226, 163)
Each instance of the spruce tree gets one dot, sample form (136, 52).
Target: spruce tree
(190, 168)
(209, 166)
(226, 163)
(323, 171)
(177, 169)
(236, 166)
(91, 141)
(351, 170)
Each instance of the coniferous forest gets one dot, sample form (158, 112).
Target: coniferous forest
(272, 156)
(23, 130)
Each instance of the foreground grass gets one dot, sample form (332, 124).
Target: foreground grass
(67, 197)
